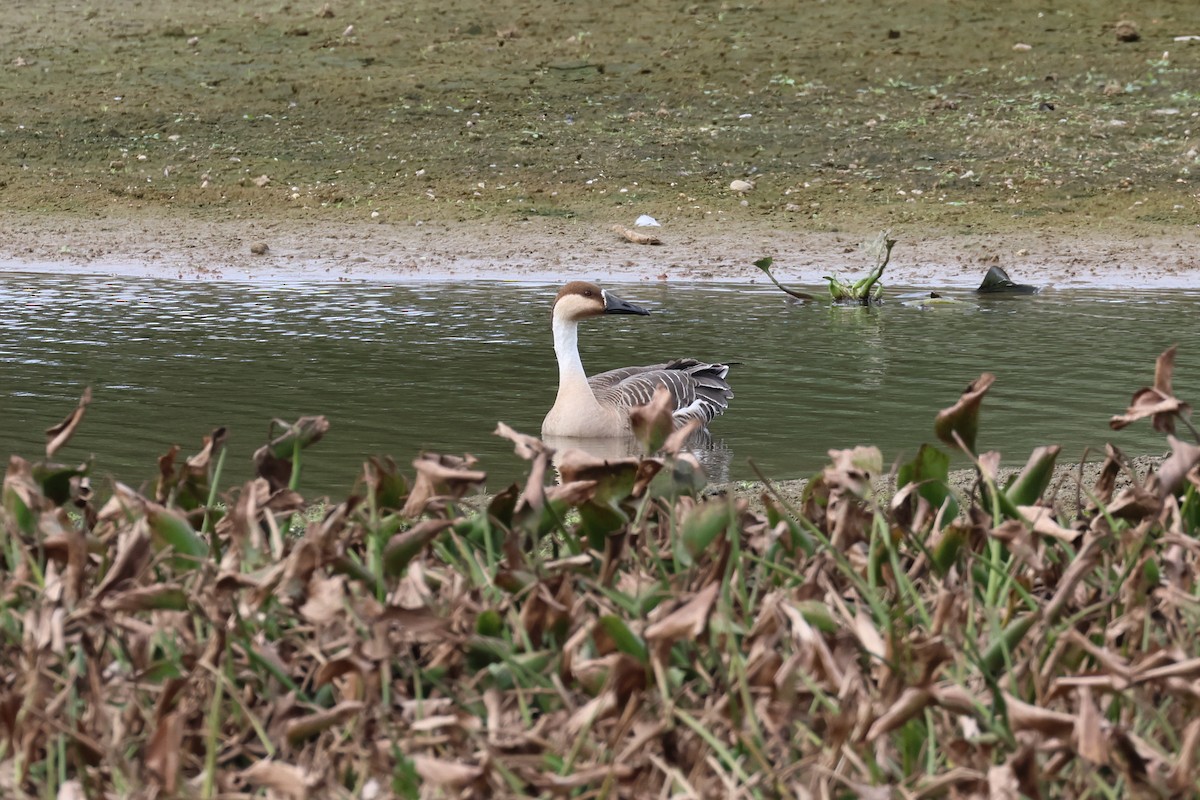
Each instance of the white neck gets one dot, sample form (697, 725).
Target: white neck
(566, 349)
(576, 411)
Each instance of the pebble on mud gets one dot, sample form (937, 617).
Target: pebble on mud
(1126, 31)
(259, 248)
(740, 186)
(261, 181)
(325, 12)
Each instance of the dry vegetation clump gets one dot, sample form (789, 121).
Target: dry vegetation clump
(610, 635)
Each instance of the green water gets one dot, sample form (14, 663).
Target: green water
(398, 368)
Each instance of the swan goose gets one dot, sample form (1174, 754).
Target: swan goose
(598, 407)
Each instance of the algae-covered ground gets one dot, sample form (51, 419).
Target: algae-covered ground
(409, 137)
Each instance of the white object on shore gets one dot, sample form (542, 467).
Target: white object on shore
(647, 221)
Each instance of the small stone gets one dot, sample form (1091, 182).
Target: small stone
(261, 181)
(1126, 31)
(259, 248)
(325, 12)
(740, 186)
(1021, 47)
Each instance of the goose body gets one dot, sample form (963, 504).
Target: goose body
(598, 407)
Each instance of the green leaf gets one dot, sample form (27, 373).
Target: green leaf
(385, 482)
(1151, 573)
(818, 615)
(489, 623)
(945, 553)
(171, 530)
(625, 639)
(1001, 649)
(19, 511)
(698, 530)
(404, 547)
(931, 469)
(55, 480)
(1035, 477)
(161, 670)
(598, 520)
(522, 669)
(765, 265)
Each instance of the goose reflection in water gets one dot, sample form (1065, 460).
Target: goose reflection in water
(714, 455)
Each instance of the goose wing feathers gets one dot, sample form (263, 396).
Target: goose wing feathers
(700, 390)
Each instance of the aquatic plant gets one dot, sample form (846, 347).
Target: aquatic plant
(618, 633)
(864, 291)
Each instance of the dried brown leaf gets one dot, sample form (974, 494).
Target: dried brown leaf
(1188, 668)
(449, 774)
(689, 620)
(326, 600)
(303, 728)
(288, 780)
(1084, 562)
(58, 435)
(535, 450)
(680, 438)
(634, 236)
(441, 478)
(1173, 471)
(337, 667)
(1090, 741)
(415, 624)
(200, 462)
(1183, 775)
(962, 418)
(1106, 481)
(526, 446)
(1134, 503)
(133, 554)
(1002, 783)
(853, 469)
(273, 461)
(600, 706)
(1158, 401)
(1017, 538)
(954, 782)
(71, 790)
(1041, 518)
(162, 751)
(653, 423)
(586, 777)
(912, 701)
(868, 635)
(1023, 716)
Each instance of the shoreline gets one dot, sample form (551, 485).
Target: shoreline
(540, 250)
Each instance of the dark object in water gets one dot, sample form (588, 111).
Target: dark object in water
(997, 281)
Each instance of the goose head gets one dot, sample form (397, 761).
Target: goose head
(580, 300)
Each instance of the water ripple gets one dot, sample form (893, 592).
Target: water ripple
(401, 367)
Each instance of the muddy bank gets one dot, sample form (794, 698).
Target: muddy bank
(451, 140)
(554, 250)
(1067, 493)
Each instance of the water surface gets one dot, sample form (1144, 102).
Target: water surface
(400, 367)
